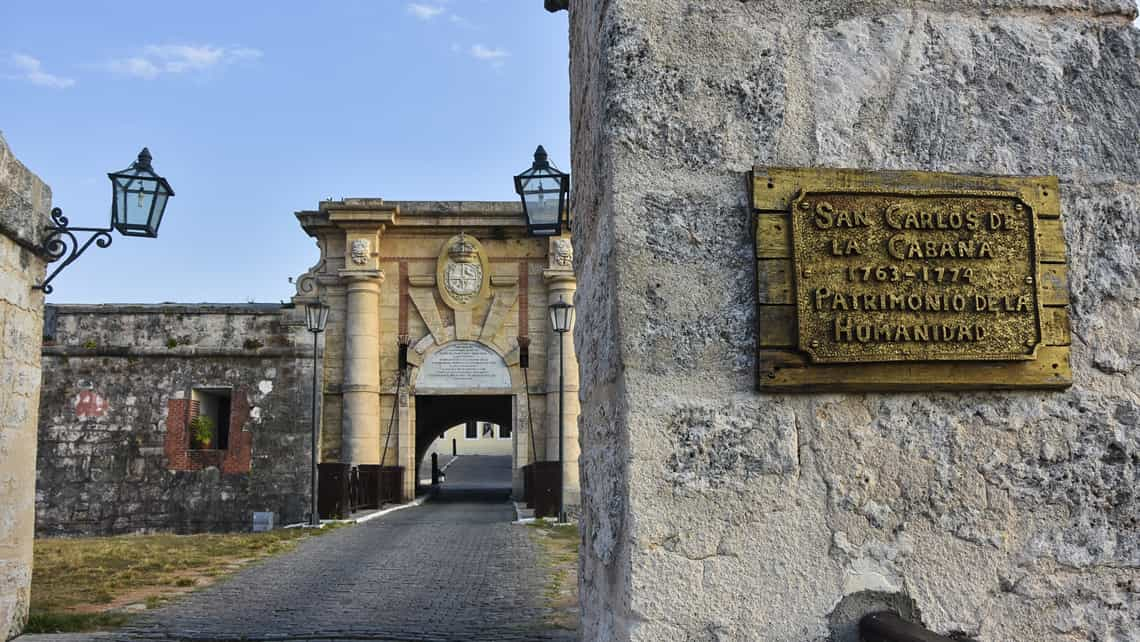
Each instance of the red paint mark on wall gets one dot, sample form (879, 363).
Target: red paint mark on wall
(88, 404)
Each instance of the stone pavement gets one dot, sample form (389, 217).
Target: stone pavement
(448, 570)
(477, 476)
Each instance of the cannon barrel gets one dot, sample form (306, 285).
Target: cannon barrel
(885, 626)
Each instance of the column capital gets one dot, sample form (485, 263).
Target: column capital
(358, 276)
(564, 278)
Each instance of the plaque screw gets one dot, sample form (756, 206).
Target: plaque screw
(805, 205)
(815, 344)
(807, 273)
(1018, 207)
(1029, 343)
(1029, 279)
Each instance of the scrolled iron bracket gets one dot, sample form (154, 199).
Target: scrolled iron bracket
(61, 244)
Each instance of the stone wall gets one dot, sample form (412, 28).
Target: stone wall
(24, 204)
(713, 512)
(118, 390)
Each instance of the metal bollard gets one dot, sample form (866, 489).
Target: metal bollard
(454, 448)
(885, 626)
(435, 469)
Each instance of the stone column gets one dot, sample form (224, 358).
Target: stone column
(360, 432)
(561, 285)
(406, 447)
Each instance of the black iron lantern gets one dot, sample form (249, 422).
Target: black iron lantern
(561, 316)
(316, 316)
(140, 198)
(544, 191)
(561, 319)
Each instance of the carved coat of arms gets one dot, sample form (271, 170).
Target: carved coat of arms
(462, 273)
(464, 279)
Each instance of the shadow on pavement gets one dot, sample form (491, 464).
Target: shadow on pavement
(475, 478)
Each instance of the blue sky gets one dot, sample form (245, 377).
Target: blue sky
(256, 110)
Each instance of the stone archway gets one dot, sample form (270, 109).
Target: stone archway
(415, 286)
(462, 380)
(435, 414)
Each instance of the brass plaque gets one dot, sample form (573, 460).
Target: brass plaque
(909, 280)
(922, 275)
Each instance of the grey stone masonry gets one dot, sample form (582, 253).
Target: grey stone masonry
(115, 454)
(713, 512)
(24, 205)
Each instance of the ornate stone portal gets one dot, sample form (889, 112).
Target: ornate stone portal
(467, 290)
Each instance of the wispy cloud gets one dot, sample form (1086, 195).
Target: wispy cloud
(156, 60)
(494, 56)
(424, 11)
(31, 70)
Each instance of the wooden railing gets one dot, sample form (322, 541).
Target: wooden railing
(344, 489)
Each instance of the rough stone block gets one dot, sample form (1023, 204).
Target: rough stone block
(1000, 516)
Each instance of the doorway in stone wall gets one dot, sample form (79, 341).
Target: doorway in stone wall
(473, 436)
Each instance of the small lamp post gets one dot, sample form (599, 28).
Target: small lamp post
(316, 317)
(544, 191)
(561, 319)
(138, 201)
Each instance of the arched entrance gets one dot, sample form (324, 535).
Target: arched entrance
(463, 383)
(447, 302)
(435, 414)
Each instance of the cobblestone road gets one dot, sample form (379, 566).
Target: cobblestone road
(455, 569)
(482, 476)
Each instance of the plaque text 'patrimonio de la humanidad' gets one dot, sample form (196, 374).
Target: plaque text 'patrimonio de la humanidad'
(909, 280)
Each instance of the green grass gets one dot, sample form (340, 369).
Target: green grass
(39, 622)
(559, 554)
(79, 583)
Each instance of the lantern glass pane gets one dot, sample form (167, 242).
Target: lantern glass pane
(159, 208)
(543, 196)
(118, 204)
(561, 316)
(139, 203)
(316, 316)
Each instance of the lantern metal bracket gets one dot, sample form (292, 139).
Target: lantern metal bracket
(61, 244)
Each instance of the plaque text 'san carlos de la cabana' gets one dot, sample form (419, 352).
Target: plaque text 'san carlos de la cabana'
(909, 280)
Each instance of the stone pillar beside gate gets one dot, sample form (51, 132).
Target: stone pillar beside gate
(720, 503)
(405, 442)
(361, 420)
(360, 433)
(24, 204)
(561, 285)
